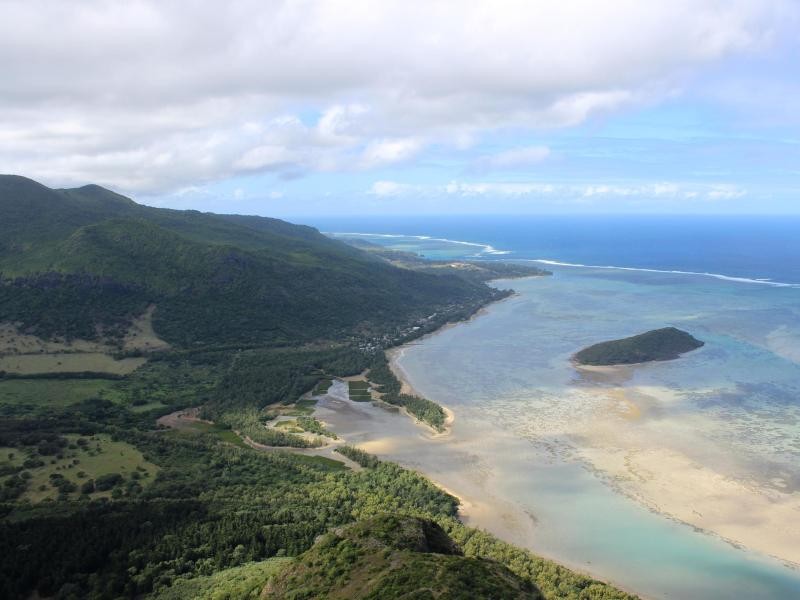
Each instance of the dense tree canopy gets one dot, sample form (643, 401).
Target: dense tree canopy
(97, 501)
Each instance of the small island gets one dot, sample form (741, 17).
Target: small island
(667, 343)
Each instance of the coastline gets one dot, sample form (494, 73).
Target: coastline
(478, 507)
(723, 418)
(449, 462)
(661, 480)
(505, 520)
(395, 353)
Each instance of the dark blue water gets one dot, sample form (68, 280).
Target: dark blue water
(754, 247)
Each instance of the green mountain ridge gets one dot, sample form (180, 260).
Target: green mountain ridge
(391, 557)
(29, 207)
(260, 280)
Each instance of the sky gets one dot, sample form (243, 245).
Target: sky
(293, 108)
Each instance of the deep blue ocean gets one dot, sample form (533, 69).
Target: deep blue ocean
(753, 247)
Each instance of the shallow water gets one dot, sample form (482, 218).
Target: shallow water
(732, 405)
(525, 417)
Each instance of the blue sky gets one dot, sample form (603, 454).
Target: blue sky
(301, 108)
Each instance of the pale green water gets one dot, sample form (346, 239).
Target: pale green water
(736, 408)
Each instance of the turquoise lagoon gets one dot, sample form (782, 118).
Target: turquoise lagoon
(733, 406)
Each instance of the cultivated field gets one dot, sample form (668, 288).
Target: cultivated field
(359, 391)
(78, 362)
(23, 354)
(50, 392)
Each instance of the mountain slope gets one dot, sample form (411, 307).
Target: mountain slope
(214, 278)
(392, 557)
(34, 217)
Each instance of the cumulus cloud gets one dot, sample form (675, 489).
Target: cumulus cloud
(152, 96)
(263, 157)
(384, 152)
(391, 188)
(725, 192)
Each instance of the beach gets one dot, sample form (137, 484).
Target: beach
(606, 470)
(449, 459)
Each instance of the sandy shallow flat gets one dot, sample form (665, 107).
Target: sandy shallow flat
(627, 441)
(493, 472)
(448, 460)
(749, 511)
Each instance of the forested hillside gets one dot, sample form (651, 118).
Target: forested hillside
(214, 278)
(392, 558)
(230, 321)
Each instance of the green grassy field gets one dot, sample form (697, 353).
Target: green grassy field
(95, 362)
(321, 461)
(322, 387)
(226, 435)
(50, 392)
(302, 408)
(305, 406)
(289, 426)
(90, 459)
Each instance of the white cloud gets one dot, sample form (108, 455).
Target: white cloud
(594, 191)
(725, 192)
(385, 152)
(713, 191)
(153, 96)
(390, 188)
(499, 189)
(263, 157)
(336, 122)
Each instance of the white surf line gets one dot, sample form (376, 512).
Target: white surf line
(485, 248)
(762, 281)
(488, 249)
